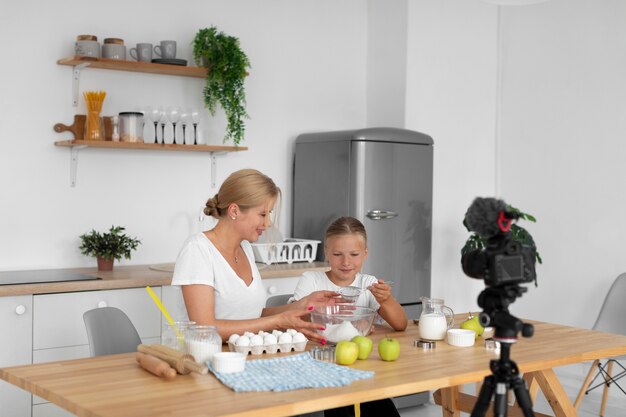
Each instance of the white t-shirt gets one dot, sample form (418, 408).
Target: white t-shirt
(312, 281)
(199, 262)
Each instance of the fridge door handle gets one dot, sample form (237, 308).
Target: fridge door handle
(381, 214)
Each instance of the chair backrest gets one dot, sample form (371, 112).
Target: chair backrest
(110, 331)
(278, 300)
(612, 317)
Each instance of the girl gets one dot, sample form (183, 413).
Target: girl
(220, 282)
(345, 248)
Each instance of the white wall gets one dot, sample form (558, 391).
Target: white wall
(563, 148)
(307, 74)
(450, 96)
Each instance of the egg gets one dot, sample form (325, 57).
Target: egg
(292, 331)
(262, 333)
(299, 337)
(233, 338)
(243, 341)
(270, 339)
(277, 333)
(256, 340)
(285, 338)
(248, 334)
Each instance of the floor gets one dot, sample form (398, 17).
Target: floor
(571, 377)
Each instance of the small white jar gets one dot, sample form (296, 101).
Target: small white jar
(202, 342)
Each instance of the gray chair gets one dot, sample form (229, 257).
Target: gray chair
(110, 331)
(611, 320)
(278, 300)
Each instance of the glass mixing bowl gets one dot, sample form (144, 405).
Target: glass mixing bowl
(343, 321)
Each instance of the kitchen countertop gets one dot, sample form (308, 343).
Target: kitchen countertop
(140, 276)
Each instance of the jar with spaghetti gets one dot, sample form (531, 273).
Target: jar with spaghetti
(202, 342)
(94, 124)
(173, 334)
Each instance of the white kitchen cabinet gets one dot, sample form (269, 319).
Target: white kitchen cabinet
(277, 286)
(16, 316)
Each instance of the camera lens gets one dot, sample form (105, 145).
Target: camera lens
(475, 264)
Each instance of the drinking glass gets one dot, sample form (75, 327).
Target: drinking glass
(173, 115)
(195, 118)
(163, 120)
(154, 114)
(184, 119)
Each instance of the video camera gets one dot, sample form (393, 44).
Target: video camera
(503, 261)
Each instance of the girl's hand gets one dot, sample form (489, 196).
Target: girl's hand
(381, 291)
(293, 319)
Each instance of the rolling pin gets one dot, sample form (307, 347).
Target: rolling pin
(184, 363)
(156, 366)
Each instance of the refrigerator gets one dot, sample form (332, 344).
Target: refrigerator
(384, 178)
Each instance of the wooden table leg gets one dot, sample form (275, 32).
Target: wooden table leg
(605, 391)
(554, 393)
(449, 398)
(532, 385)
(586, 383)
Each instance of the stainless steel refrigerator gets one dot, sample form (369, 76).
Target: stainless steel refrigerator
(383, 177)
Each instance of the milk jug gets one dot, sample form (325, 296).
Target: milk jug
(435, 319)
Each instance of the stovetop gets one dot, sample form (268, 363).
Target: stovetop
(41, 276)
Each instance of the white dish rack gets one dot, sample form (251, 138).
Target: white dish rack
(288, 251)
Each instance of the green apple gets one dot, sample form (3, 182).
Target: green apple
(389, 349)
(472, 323)
(365, 346)
(346, 352)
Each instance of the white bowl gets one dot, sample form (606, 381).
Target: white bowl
(228, 362)
(461, 337)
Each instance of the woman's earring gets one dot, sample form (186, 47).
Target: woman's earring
(234, 218)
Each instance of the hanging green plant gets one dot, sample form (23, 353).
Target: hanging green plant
(226, 67)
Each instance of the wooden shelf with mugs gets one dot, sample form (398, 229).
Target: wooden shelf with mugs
(133, 66)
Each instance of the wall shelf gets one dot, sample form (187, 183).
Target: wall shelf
(134, 66)
(76, 145)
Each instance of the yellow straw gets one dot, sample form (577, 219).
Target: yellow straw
(164, 311)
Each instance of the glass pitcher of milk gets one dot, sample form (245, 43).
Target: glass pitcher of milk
(435, 319)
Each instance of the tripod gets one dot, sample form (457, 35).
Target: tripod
(504, 372)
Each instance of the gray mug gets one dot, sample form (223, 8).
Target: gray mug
(143, 52)
(166, 50)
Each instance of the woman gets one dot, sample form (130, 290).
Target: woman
(220, 282)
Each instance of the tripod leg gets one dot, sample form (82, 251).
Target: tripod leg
(523, 398)
(501, 401)
(484, 397)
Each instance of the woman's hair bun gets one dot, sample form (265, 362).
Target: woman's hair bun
(211, 208)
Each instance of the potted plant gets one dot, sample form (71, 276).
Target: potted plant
(107, 247)
(226, 67)
(518, 233)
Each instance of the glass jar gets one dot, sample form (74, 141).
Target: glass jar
(131, 126)
(173, 335)
(202, 342)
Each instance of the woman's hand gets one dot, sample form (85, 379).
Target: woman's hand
(381, 291)
(320, 299)
(293, 319)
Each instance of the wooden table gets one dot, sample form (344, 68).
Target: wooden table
(116, 386)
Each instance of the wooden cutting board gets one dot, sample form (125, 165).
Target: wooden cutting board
(78, 127)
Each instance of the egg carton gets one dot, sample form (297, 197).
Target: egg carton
(269, 349)
(288, 251)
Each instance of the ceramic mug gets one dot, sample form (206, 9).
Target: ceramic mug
(166, 50)
(113, 51)
(142, 52)
(87, 48)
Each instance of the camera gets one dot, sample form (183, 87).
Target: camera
(504, 261)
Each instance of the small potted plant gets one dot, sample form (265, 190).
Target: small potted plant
(226, 65)
(107, 247)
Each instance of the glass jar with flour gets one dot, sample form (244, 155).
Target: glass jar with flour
(202, 342)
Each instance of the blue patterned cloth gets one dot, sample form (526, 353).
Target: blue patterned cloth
(288, 373)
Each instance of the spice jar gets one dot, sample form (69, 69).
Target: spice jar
(131, 126)
(173, 335)
(202, 342)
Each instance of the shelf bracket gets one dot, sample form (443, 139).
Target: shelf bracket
(76, 81)
(74, 163)
(214, 166)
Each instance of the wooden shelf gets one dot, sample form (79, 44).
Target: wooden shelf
(143, 145)
(134, 66)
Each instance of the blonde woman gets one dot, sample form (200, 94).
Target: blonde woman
(220, 282)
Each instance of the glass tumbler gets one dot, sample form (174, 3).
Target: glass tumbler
(173, 335)
(202, 342)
